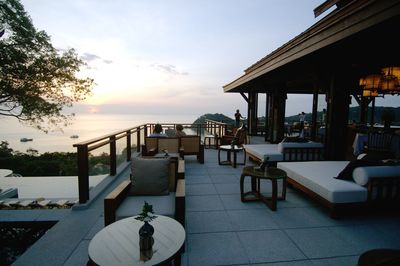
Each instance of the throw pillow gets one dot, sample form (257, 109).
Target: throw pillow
(347, 172)
(150, 176)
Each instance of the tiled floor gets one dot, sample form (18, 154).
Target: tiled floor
(221, 230)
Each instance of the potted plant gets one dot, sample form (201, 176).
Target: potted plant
(147, 230)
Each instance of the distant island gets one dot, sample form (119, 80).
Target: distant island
(215, 117)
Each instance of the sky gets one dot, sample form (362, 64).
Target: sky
(174, 56)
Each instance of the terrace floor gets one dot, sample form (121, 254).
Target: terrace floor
(221, 230)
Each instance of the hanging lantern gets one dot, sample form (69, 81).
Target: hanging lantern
(372, 81)
(391, 72)
(370, 93)
(389, 84)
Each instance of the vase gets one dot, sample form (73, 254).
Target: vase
(146, 236)
(146, 229)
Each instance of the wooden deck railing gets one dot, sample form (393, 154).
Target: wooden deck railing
(134, 137)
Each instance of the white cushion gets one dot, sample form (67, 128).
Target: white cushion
(310, 144)
(318, 177)
(163, 205)
(259, 150)
(361, 175)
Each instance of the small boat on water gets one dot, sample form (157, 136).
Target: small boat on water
(25, 139)
(74, 137)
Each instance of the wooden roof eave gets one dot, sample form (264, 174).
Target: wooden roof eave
(336, 26)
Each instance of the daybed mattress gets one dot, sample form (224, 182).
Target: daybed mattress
(318, 177)
(259, 150)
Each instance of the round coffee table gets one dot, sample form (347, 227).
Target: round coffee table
(272, 174)
(230, 149)
(118, 243)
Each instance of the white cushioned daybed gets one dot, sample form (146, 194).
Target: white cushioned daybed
(316, 178)
(285, 151)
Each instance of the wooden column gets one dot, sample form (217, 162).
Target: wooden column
(278, 115)
(252, 113)
(337, 117)
(266, 128)
(314, 122)
(364, 110)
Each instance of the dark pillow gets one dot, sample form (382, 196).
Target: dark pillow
(347, 172)
(294, 139)
(150, 176)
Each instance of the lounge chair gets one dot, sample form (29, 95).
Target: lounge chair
(367, 187)
(191, 145)
(286, 151)
(240, 136)
(153, 180)
(150, 146)
(170, 145)
(379, 142)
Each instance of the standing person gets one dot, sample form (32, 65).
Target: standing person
(302, 116)
(237, 118)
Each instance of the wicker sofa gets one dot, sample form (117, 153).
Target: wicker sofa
(371, 186)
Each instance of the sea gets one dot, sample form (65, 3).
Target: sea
(85, 126)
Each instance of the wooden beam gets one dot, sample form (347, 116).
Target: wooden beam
(244, 97)
(324, 6)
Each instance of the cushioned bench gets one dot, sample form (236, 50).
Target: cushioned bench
(316, 179)
(285, 151)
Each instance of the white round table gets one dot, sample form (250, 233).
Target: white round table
(118, 243)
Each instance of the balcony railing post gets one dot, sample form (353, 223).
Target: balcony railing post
(128, 146)
(138, 139)
(113, 156)
(83, 173)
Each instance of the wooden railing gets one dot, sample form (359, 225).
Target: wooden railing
(215, 127)
(85, 148)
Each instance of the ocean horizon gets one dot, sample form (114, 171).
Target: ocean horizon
(85, 126)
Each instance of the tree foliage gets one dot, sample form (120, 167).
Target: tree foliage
(36, 80)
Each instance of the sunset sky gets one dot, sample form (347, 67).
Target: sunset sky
(171, 56)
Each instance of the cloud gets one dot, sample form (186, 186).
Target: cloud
(88, 57)
(170, 69)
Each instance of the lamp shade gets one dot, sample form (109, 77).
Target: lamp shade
(362, 82)
(372, 81)
(389, 84)
(368, 93)
(391, 72)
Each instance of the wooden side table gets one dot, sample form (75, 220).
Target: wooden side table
(272, 174)
(231, 149)
(118, 243)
